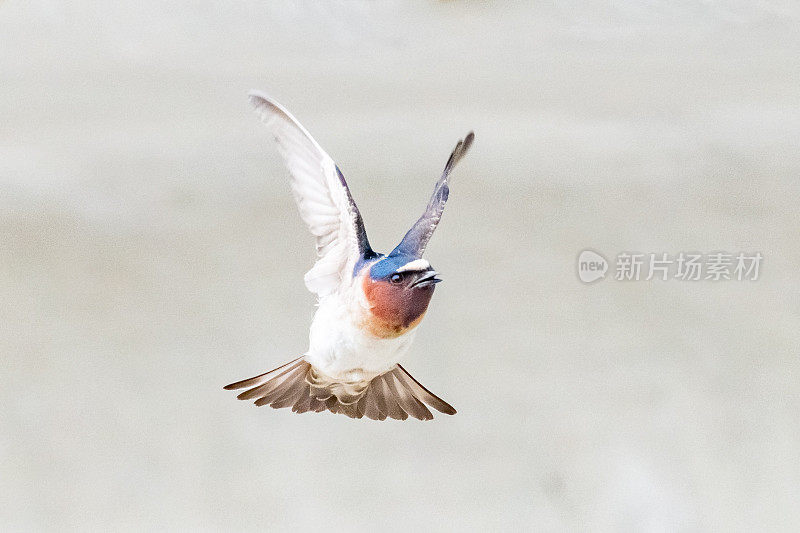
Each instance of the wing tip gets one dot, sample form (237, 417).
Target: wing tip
(468, 140)
(255, 94)
(461, 149)
(259, 100)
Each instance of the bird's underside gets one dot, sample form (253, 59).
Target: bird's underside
(297, 384)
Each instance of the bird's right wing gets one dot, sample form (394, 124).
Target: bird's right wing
(415, 241)
(322, 197)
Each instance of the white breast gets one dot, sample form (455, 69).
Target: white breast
(339, 347)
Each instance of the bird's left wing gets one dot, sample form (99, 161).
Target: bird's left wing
(322, 197)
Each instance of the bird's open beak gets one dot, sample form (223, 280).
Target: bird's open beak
(426, 278)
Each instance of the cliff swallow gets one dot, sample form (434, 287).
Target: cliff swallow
(369, 303)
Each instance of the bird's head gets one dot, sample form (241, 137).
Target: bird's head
(398, 289)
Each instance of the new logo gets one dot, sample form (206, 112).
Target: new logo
(591, 266)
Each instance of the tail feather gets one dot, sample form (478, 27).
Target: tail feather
(411, 404)
(303, 405)
(317, 405)
(394, 394)
(274, 381)
(424, 394)
(290, 397)
(286, 384)
(395, 410)
(372, 405)
(379, 399)
(258, 379)
(405, 402)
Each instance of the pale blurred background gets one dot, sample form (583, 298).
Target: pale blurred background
(150, 253)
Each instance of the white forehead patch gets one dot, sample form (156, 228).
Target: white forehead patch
(415, 265)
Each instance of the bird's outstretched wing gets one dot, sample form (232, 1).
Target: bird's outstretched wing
(322, 196)
(415, 241)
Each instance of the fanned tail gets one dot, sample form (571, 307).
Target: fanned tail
(394, 394)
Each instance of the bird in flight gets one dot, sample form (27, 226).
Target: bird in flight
(369, 303)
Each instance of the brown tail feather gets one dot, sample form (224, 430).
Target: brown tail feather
(394, 394)
(424, 394)
(275, 379)
(303, 405)
(252, 381)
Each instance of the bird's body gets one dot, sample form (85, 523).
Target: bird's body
(343, 340)
(369, 303)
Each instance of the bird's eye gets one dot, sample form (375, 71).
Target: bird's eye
(396, 278)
